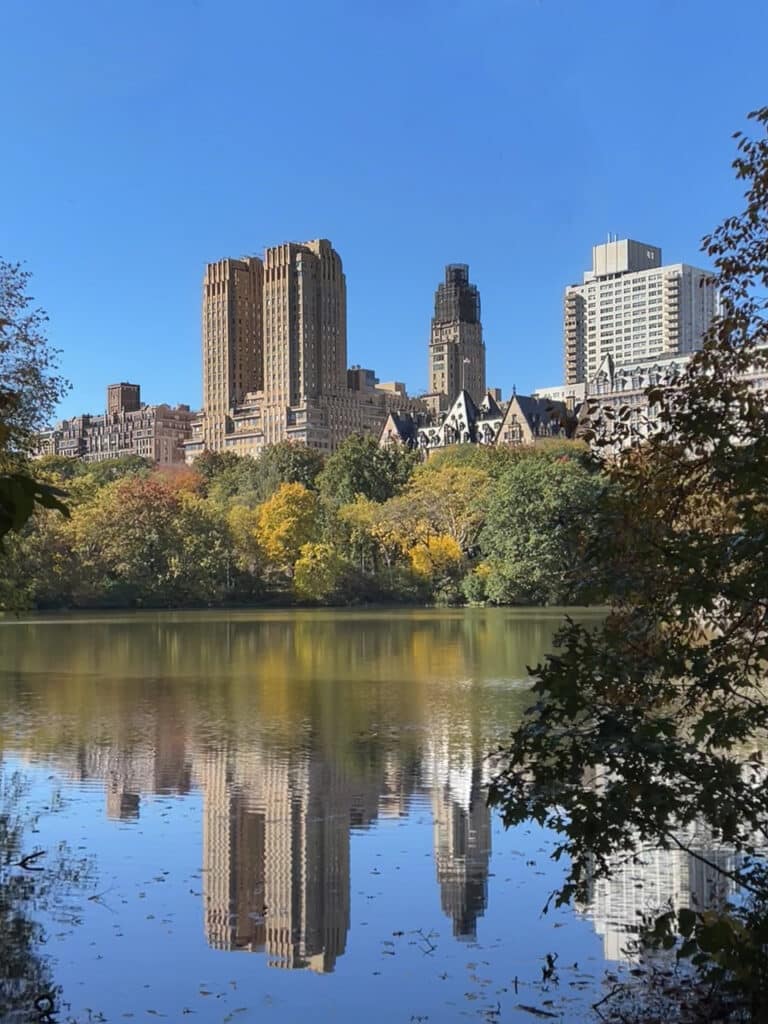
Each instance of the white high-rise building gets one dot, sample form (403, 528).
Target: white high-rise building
(631, 307)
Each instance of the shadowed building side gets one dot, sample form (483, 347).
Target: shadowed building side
(232, 341)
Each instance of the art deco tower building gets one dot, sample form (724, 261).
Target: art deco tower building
(305, 328)
(232, 341)
(275, 356)
(456, 347)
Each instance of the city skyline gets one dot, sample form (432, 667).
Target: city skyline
(246, 352)
(124, 174)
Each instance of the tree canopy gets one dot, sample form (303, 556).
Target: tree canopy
(30, 387)
(543, 515)
(29, 392)
(360, 466)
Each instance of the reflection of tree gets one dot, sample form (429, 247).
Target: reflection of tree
(29, 885)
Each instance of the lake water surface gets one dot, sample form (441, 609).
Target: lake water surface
(283, 815)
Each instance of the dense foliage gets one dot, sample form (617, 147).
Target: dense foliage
(651, 729)
(368, 525)
(29, 385)
(29, 391)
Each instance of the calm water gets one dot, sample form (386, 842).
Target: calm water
(284, 815)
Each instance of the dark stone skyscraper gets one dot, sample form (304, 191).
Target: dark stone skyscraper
(456, 347)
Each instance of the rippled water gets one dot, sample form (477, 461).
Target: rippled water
(285, 816)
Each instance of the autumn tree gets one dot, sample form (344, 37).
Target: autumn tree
(285, 523)
(445, 499)
(438, 560)
(319, 573)
(654, 724)
(244, 528)
(140, 541)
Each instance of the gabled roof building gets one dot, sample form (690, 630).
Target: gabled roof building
(521, 421)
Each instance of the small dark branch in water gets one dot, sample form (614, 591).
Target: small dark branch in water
(98, 897)
(427, 939)
(535, 1011)
(596, 1006)
(26, 862)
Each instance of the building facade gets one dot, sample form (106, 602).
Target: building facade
(456, 346)
(523, 420)
(631, 307)
(232, 340)
(275, 356)
(154, 432)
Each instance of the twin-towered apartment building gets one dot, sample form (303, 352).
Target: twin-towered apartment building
(274, 360)
(275, 355)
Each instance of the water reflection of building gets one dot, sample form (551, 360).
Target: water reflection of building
(276, 859)
(462, 834)
(277, 819)
(654, 881)
(144, 754)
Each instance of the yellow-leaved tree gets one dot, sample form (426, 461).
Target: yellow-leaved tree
(244, 527)
(285, 523)
(318, 572)
(438, 559)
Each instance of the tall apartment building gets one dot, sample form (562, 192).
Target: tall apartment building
(305, 334)
(232, 340)
(275, 356)
(456, 347)
(154, 432)
(631, 307)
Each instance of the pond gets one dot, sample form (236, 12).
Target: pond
(283, 814)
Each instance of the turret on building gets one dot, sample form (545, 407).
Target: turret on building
(456, 347)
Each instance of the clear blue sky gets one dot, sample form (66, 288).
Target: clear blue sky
(142, 139)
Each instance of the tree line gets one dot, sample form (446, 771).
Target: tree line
(366, 524)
